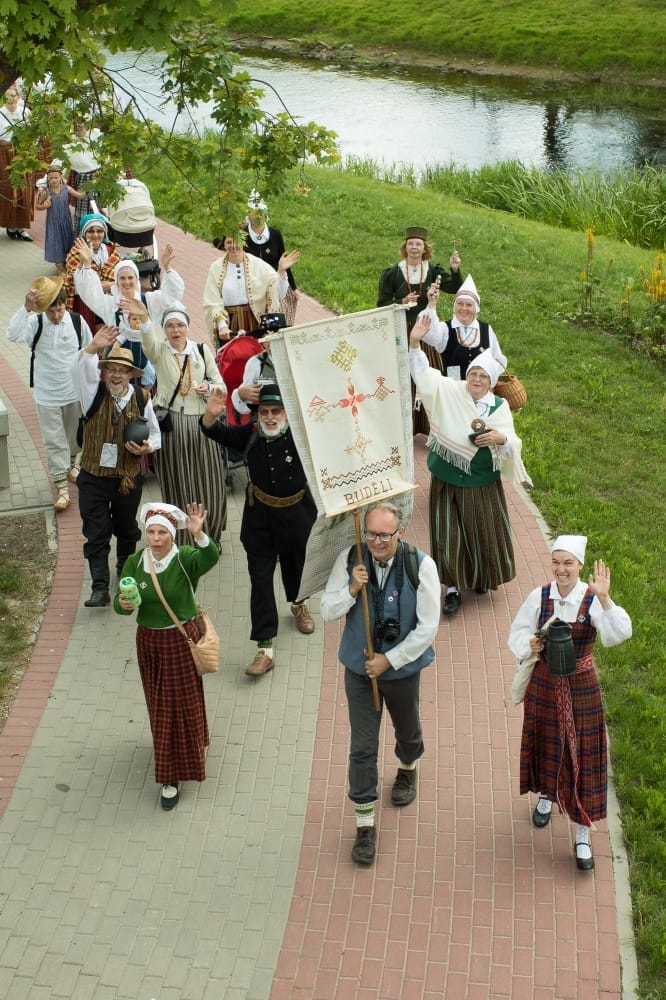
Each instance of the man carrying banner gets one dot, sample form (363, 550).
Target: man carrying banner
(403, 590)
(277, 517)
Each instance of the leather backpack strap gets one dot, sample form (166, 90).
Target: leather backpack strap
(158, 591)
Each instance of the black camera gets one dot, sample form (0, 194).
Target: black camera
(272, 322)
(387, 631)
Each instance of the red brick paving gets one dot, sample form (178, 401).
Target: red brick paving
(466, 899)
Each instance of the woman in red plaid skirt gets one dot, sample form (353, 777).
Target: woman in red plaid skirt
(172, 687)
(563, 746)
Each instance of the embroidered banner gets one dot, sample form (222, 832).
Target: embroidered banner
(346, 388)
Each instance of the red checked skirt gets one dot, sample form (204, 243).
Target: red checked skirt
(175, 700)
(545, 760)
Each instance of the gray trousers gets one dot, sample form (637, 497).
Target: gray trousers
(58, 425)
(401, 698)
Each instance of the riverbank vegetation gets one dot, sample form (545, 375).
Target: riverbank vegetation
(593, 431)
(619, 41)
(626, 205)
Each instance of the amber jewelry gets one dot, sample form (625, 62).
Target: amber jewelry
(467, 341)
(185, 380)
(409, 287)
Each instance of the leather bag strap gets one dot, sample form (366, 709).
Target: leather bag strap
(158, 591)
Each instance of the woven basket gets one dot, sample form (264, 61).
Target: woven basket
(510, 387)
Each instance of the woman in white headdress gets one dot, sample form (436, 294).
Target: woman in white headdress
(462, 338)
(472, 444)
(172, 687)
(188, 465)
(266, 243)
(563, 756)
(126, 285)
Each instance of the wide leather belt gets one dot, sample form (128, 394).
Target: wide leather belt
(265, 498)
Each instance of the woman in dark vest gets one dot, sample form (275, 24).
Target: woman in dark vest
(408, 281)
(563, 755)
(462, 338)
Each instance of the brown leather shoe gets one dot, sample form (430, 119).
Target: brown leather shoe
(304, 620)
(260, 665)
(404, 787)
(365, 845)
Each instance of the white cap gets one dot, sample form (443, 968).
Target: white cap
(492, 368)
(166, 514)
(468, 291)
(574, 544)
(255, 202)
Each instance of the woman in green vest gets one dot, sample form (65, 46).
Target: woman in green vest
(472, 443)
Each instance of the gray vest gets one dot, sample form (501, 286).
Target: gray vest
(396, 601)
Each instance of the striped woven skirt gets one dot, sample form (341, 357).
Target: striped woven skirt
(470, 535)
(175, 700)
(190, 470)
(545, 760)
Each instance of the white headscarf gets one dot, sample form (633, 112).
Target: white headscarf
(492, 368)
(166, 514)
(575, 545)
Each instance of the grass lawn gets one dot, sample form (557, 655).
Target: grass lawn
(593, 436)
(620, 40)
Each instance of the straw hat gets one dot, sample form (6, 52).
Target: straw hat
(47, 290)
(120, 356)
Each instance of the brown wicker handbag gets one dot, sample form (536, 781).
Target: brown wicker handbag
(510, 387)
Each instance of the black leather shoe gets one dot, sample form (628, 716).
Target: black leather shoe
(99, 598)
(452, 603)
(167, 798)
(404, 787)
(24, 235)
(365, 845)
(13, 234)
(541, 819)
(584, 864)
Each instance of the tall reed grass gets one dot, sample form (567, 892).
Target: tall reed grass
(627, 205)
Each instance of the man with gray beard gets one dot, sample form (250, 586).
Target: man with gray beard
(277, 517)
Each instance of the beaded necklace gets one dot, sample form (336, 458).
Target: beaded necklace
(466, 339)
(421, 276)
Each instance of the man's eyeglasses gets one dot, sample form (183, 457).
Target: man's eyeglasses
(380, 536)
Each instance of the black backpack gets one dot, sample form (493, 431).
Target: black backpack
(76, 320)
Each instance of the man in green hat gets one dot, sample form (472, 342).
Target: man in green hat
(277, 517)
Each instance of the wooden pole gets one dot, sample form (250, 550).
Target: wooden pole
(366, 610)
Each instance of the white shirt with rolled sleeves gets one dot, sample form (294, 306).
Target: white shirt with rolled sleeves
(56, 350)
(613, 625)
(337, 601)
(85, 374)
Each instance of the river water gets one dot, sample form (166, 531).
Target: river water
(441, 118)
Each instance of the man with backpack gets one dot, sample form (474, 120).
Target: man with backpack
(119, 426)
(403, 592)
(54, 336)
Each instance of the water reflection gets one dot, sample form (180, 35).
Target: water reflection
(442, 119)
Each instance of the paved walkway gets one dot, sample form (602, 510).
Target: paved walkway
(247, 891)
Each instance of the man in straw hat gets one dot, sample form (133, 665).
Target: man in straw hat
(110, 480)
(54, 337)
(277, 517)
